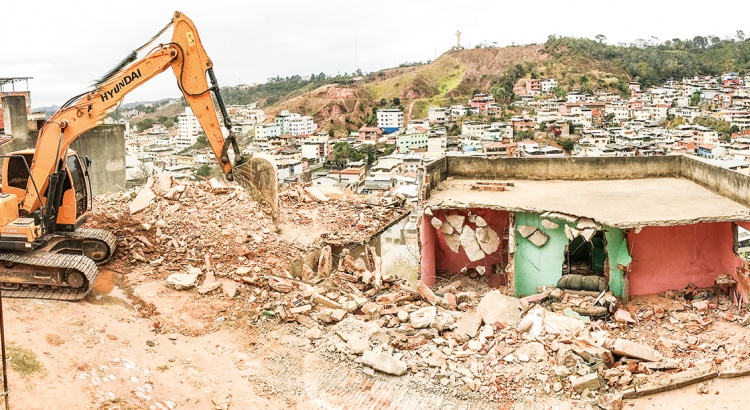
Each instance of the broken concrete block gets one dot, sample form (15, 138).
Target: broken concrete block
(587, 234)
(469, 324)
(162, 183)
(488, 239)
(559, 324)
(230, 288)
(423, 317)
(569, 233)
(357, 345)
(383, 362)
(300, 309)
(547, 224)
(471, 246)
(307, 272)
(623, 316)
(325, 262)
(610, 401)
(208, 287)
(586, 223)
(623, 347)
(676, 380)
(142, 201)
(453, 241)
(447, 229)
(479, 221)
(182, 281)
(561, 216)
(588, 382)
(538, 238)
(526, 230)
(456, 221)
(728, 370)
(436, 223)
(496, 307)
(426, 293)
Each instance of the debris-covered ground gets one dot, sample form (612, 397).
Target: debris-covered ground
(200, 268)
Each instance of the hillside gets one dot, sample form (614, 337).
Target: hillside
(347, 101)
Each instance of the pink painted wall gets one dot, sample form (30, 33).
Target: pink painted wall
(670, 257)
(427, 236)
(445, 260)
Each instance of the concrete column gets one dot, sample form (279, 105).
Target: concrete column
(16, 121)
(428, 238)
(105, 146)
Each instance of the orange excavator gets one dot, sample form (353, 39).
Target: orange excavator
(46, 192)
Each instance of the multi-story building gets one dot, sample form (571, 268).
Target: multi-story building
(390, 120)
(411, 141)
(295, 124)
(266, 131)
(548, 84)
(189, 129)
(436, 115)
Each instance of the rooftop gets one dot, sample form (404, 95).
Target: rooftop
(619, 203)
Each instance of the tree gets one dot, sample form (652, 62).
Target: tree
(204, 171)
(740, 35)
(600, 38)
(143, 125)
(396, 101)
(383, 102)
(567, 144)
(695, 99)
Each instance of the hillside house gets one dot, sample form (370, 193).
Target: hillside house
(633, 225)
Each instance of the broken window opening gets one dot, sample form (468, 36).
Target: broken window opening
(584, 265)
(585, 258)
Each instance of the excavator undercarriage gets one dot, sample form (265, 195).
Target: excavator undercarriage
(64, 269)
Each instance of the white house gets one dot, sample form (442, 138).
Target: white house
(390, 119)
(189, 129)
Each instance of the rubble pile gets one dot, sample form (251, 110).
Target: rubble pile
(204, 234)
(320, 209)
(509, 348)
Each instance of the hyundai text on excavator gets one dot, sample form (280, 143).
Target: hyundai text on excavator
(46, 191)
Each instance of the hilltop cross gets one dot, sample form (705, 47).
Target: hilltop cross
(458, 39)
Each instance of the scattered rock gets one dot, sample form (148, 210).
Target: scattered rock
(496, 307)
(423, 317)
(383, 362)
(182, 281)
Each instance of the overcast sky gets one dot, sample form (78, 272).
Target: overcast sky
(65, 45)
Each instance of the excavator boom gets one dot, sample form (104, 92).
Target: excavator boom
(189, 61)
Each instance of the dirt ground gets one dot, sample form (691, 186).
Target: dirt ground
(148, 346)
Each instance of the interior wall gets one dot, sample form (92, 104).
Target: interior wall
(670, 257)
(445, 260)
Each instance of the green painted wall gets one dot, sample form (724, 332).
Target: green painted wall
(542, 266)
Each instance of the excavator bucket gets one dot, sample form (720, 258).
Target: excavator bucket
(258, 176)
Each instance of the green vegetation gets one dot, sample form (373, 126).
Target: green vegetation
(278, 89)
(652, 63)
(24, 361)
(204, 171)
(145, 124)
(567, 144)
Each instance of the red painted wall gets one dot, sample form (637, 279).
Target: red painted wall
(445, 260)
(670, 257)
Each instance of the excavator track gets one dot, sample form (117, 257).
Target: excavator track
(54, 267)
(86, 235)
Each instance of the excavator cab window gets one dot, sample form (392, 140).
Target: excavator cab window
(79, 183)
(18, 171)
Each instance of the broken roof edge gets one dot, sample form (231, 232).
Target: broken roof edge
(601, 221)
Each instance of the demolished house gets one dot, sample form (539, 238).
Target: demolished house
(633, 225)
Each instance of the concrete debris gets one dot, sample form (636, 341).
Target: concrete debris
(496, 307)
(436, 223)
(469, 324)
(560, 216)
(526, 230)
(143, 200)
(182, 281)
(447, 229)
(551, 225)
(587, 234)
(479, 221)
(426, 293)
(634, 350)
(383, 362)
(590, 382)
(488, 239)
(538, 238)
(586, 223)
(456, 221)
(453, 241)
(423, 317)
(470, 245)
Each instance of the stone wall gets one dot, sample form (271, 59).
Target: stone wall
(105, 146)
(725, 182)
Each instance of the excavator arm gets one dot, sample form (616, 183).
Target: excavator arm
(190, 63)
